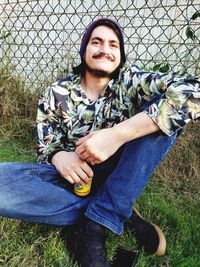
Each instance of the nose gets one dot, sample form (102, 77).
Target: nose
(105, 48)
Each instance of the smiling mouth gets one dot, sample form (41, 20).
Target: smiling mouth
(102, 58)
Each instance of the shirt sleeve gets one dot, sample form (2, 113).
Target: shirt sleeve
(170, 101)
(49, 132)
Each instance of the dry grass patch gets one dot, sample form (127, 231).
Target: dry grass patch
(180, 170)
(18, 107)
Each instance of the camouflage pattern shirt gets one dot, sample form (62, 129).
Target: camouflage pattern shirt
(65, 113)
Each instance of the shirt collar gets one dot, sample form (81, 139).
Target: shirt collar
(78, 94)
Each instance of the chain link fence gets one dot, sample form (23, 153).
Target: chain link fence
(40, 39)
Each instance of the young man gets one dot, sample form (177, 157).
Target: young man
(103, 120)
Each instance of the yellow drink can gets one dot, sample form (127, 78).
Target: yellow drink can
(82, 189)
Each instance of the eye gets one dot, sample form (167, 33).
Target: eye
(95, 42)
(114, 45)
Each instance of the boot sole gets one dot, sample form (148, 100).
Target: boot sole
(162, 240)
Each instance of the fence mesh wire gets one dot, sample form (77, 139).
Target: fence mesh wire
(40, 39)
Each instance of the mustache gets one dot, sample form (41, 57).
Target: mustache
(103, 54)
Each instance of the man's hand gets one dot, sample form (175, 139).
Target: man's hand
(71, 167)
(98, 146)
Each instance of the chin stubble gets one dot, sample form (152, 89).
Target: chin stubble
(96, 72)
(100, 73)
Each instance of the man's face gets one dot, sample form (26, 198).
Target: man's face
(102, 53)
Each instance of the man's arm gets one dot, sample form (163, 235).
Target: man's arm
(98, 146)
(48, 131)
(178, 103)
(175, 101)
(50, 147)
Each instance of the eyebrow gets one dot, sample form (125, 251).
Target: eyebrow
(100, 39)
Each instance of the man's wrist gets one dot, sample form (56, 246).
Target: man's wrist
(50, 157)
(121, 133)
(137, 126)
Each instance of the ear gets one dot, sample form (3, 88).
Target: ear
(84, 53)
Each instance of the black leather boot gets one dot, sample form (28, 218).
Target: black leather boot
(88, 244)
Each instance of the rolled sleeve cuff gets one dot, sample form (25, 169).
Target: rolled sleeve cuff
(168, 118)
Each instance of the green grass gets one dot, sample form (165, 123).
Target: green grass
(171, 200)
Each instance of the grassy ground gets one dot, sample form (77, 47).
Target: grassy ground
(171, 200)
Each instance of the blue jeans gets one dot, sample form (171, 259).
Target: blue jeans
(36, 192)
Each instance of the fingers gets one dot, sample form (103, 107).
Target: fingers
(80, 150)
(93, 160)
(86, 168)
(82, 144)
(89, 157)
(69, 179)
(83, 176)
(79, 174)
(84, 155)
(82, 139)
(79, 142)
(72, 167)
(70, 176)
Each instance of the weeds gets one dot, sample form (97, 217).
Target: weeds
(18, 107)
(181, 168)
